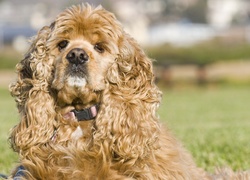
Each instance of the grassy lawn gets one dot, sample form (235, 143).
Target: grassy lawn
(212, 123)
(8, 118)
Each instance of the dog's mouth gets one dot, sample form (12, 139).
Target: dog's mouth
(79, 71)
(76, 75)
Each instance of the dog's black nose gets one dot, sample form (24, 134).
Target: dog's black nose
(77, 56)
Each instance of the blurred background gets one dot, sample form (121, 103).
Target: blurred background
(194, 41)
(202, 53)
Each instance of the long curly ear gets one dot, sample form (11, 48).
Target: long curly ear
(32, 95)
(128, 117)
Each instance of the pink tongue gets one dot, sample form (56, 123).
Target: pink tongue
(69, 115)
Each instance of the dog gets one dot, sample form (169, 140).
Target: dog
(87, 101)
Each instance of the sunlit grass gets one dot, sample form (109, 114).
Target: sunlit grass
(212, 123)
(8, 117)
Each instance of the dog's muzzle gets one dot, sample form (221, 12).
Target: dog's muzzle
(77, 59)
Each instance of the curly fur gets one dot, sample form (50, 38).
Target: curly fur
(125, 140)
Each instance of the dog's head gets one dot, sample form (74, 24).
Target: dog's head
(84, 43)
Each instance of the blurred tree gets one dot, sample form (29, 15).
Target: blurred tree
(172, 8)
(197, 12)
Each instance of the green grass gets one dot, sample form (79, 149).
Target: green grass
(8, 118)
(212, 123)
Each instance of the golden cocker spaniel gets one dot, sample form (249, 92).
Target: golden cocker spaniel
(87, 101)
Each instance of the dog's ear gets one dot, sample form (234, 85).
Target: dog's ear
(127, 117)
(132, 65)
(33, 95)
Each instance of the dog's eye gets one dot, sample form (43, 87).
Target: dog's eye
(99, 48)
(61, 45)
